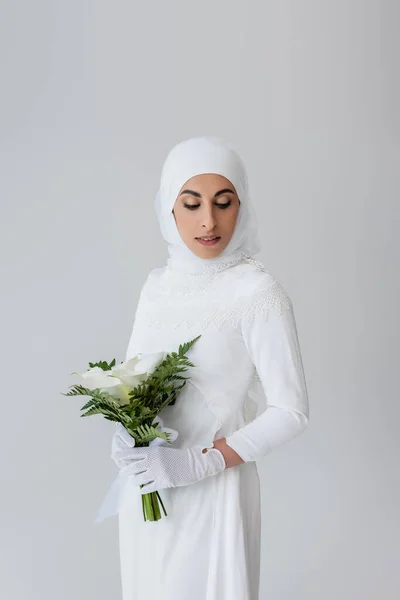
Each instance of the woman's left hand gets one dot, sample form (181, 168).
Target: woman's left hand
(159, 467)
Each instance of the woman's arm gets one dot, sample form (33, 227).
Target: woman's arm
(272, 342)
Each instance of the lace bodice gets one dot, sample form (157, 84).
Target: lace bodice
(214, 298)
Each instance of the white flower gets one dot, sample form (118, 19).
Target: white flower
(119, 380)
(137, 368)
(97, 378)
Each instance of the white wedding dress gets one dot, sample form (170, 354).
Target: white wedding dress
(208, 547)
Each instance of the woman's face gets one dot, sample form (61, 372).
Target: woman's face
(207, 205)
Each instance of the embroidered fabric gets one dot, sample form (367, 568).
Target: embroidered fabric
(206, 267)
(203, 313)
(177, 283)
(249, 409)
(255, 383)
(193, 308)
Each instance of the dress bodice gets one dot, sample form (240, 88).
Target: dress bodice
(226, 307)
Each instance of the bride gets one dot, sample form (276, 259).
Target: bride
(208, 547)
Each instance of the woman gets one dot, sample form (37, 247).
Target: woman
(208, 547)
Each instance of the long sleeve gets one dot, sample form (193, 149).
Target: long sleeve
(271, 339)
(133, 347)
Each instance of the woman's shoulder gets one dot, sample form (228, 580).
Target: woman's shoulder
(259, 289)
(154, 276)
(255, 277)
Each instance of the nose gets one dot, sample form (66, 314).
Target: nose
(208, 219)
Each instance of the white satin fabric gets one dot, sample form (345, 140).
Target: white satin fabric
(208, 547)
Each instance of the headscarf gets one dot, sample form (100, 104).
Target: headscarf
(195, 156)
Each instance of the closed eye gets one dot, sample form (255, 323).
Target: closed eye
(220, 205)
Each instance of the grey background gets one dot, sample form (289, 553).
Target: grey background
(93, 96)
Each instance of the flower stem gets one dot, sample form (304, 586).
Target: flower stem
(151, 506)
(162, 504)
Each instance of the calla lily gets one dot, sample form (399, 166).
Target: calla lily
(127, 375)
(136, 369)
(129, 378)
(147, 363)
(97, 378)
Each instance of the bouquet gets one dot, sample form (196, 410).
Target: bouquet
(133, 393)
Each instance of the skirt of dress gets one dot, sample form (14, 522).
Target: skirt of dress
(207, 548)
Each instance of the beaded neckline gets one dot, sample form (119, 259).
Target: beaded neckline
(175, 282)
(212, 268)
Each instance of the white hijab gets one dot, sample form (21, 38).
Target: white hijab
(192, 157)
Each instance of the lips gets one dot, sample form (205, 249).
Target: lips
(208, 242)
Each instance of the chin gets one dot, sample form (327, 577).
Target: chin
(207, 252)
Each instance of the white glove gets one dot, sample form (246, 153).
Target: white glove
(159, 467)
(123, 442)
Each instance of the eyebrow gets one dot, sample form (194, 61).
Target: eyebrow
(198, 195)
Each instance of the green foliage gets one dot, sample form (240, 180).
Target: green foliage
(146, 400)
(103, 365)
(146, 433)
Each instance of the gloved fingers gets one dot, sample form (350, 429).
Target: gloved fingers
(142, 478)
(137, 464)
(123, 454)
(121, 462)
(117, 445)
(172, 434)
(149, 487)
(158, 442)
(122, 433)
(119, 449)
